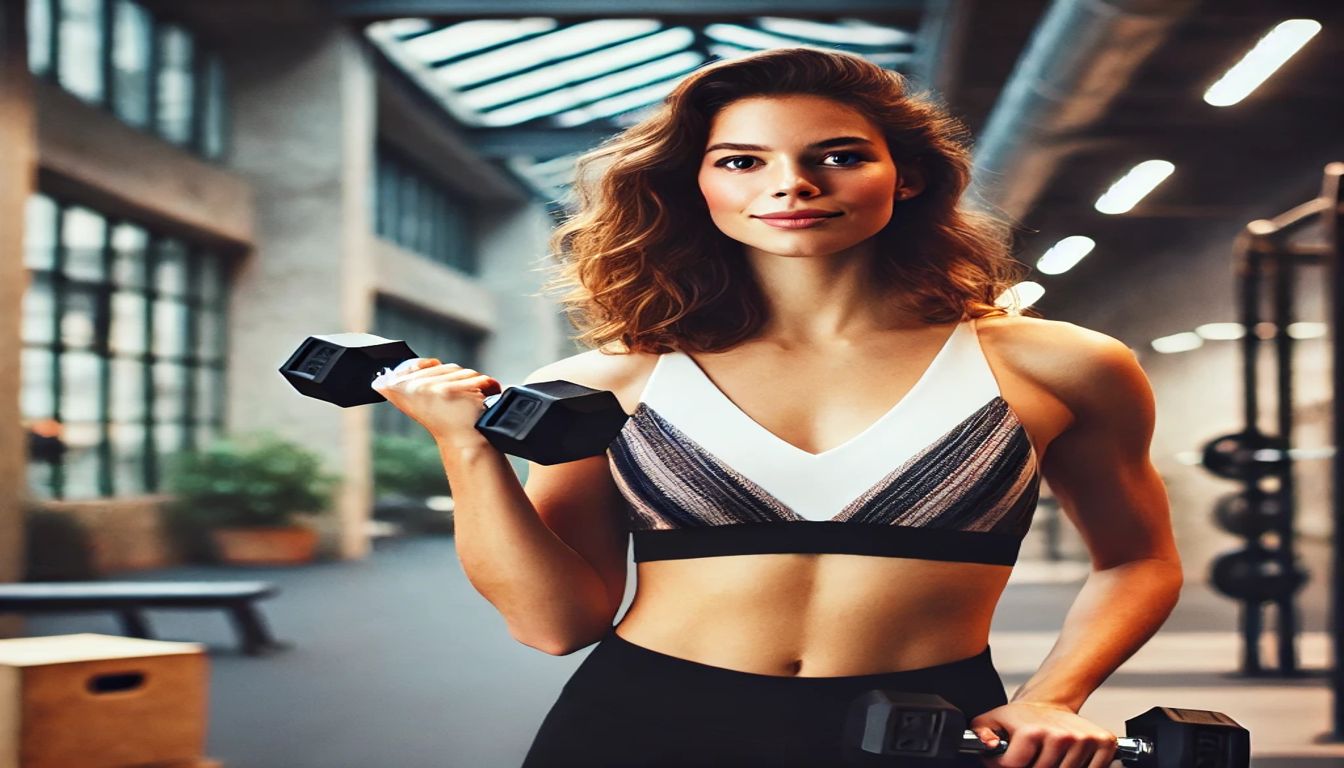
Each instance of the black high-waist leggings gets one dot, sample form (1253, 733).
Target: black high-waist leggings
(632, 707)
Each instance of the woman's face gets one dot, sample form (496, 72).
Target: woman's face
(798, 175)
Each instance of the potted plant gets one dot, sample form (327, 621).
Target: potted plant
(249, 493)
(410, 487)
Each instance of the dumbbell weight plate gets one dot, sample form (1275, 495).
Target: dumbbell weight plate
(1255, 575)
(1245, 455)
(1237, 513)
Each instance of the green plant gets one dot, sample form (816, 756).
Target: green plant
(407, 466)
(251, 481)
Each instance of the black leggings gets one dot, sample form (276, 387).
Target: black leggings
(629, 706)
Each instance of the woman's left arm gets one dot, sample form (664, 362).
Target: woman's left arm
(1100, 471)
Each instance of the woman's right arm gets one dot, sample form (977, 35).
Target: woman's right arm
(551, 558)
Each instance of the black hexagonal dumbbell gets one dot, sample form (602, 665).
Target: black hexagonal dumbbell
(890, 728)
(547, 422)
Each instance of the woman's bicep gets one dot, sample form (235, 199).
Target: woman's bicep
(580, 503)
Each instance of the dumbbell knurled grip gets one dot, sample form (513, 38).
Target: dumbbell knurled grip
(1127, 747)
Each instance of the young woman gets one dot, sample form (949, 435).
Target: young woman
(835, 448)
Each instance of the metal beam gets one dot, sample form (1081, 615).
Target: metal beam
(541, 144)
(372, 10)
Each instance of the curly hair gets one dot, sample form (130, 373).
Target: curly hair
(640, 262)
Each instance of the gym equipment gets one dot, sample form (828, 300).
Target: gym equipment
(1256, 575)
(1250, 514)
(1245, 455)
(890, 728)
(548, 422)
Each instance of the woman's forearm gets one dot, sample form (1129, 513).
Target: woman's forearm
(1115, 613)
(547, 593)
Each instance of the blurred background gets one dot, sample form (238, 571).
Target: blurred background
(190, 188)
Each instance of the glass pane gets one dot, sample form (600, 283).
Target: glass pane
(82, 459)
(170, 268)
(409, 209)
(38, 399)
(81, 386)
(429, 201)
(81, 49)
(207, 394)
(79, 324)
(39, 36)
(84, 235)
(39, 233)
(40, 479)
(128, 255)
(170, 393)
(170, 328)
(209, 335)
(128, 390)
(387, 197)
(176, 84)
(210, 281)
(39, 309)
(168, 439)
(214, 107)
(128, 451)
(127, 335)
(132, 46)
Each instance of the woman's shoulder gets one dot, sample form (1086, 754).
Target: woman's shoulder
(1063, 357)
(610, 368)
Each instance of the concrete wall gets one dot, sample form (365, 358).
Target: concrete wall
(17, 170)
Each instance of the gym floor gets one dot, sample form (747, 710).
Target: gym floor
(399, 663)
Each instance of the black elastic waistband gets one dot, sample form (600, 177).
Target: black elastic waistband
(827, 537)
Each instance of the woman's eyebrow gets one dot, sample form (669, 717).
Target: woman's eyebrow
(824, 144)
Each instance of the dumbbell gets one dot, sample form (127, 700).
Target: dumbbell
(547, 422)
(887, 728)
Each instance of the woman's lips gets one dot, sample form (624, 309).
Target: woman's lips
(802, 222)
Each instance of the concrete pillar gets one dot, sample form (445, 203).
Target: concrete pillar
(303, 105)
(17, 177)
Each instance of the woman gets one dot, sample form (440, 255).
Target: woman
(835, 447)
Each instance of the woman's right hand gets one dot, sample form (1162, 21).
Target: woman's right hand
(444, 398)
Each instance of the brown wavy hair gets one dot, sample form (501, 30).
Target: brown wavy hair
(640, 262)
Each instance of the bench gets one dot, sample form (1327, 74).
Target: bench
(128, 600)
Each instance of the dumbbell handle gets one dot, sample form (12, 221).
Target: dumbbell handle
(1127, 749)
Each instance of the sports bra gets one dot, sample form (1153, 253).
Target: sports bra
(948, 473)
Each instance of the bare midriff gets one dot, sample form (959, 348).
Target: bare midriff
(800, 615)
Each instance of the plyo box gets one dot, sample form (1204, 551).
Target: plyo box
(102, 701)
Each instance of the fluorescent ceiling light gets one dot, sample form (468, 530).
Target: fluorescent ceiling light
(594, 90)
(536, 52)
(1307, 330)
(1221, 331)
(1021, 296)
(471, 36)
(616, 104)
(1063, 255)
(1177, 342)
(844, 33)
(749, 38)
(605, 61)
(1261, 61)
(1134, 186)
(405, 27)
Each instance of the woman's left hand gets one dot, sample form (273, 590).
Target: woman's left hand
(1044, 736)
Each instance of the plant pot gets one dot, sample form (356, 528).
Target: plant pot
(290, 545)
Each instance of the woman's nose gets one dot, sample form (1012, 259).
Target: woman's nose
(794, 182)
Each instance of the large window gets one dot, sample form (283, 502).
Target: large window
(429, 336)
(151, 73)
(123, 349)
(418, 213)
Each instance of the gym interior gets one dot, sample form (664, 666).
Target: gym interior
(190, 189)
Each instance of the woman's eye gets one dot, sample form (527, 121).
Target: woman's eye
(845, 158)
(736, 163)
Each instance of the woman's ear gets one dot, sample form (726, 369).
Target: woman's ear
(909, 182)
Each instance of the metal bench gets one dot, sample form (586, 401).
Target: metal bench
(128, 599)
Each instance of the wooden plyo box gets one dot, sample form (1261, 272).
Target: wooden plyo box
(101, 701)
